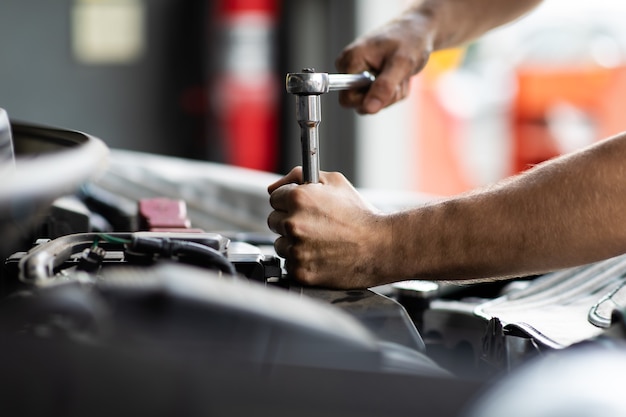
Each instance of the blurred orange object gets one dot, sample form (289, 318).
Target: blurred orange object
(597, 92)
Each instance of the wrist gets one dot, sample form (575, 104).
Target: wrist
(393, 249)
(424, 15)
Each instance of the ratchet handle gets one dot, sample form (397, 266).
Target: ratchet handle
(337, 82)
(315, 83)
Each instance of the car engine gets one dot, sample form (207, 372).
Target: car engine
(138, 283)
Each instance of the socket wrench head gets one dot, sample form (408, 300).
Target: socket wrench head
(307, 83)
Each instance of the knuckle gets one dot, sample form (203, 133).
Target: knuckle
(334, 177)
(299, 198)
(280, 247)
(270, 221)
(299, 266)
(384, 87)
(291, 228)
(304, 276)
(408, 61)
(383, 41)
(411, 62)
(349, 60)
(298, 254)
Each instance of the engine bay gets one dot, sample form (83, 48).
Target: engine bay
(152, 285)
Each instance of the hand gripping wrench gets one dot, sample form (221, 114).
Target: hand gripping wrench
(308, 86)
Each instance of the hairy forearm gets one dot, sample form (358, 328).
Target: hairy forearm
(565, 212)
(455, 22)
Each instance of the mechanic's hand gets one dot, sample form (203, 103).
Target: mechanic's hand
(393, 53)
(329, 235)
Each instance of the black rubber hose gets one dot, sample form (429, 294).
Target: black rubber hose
(170, 248)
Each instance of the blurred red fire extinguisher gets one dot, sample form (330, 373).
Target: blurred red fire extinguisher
(246, 86)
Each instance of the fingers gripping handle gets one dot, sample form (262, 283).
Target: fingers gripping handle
(307, 86)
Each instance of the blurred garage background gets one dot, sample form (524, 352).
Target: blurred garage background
(204, 79)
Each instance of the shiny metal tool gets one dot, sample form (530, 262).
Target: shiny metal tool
(308, 86)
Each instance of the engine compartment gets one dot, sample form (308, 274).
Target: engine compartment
(155, 269)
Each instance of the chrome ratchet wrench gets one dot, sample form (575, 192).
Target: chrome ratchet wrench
(308, 86)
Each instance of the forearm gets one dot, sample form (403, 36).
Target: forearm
(455, 22)
(562, 213)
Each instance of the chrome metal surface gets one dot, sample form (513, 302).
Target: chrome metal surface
(309, 116)
(307, 86)
(307, 83)
(338, 82)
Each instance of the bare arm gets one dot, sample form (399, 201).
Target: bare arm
(565, 212)
(401, 48)
(455, 22)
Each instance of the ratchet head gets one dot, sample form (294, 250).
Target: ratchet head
(307, 83)
(316, 83)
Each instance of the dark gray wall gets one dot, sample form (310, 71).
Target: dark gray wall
(138, 106)
(314, 33)
(132, 106)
